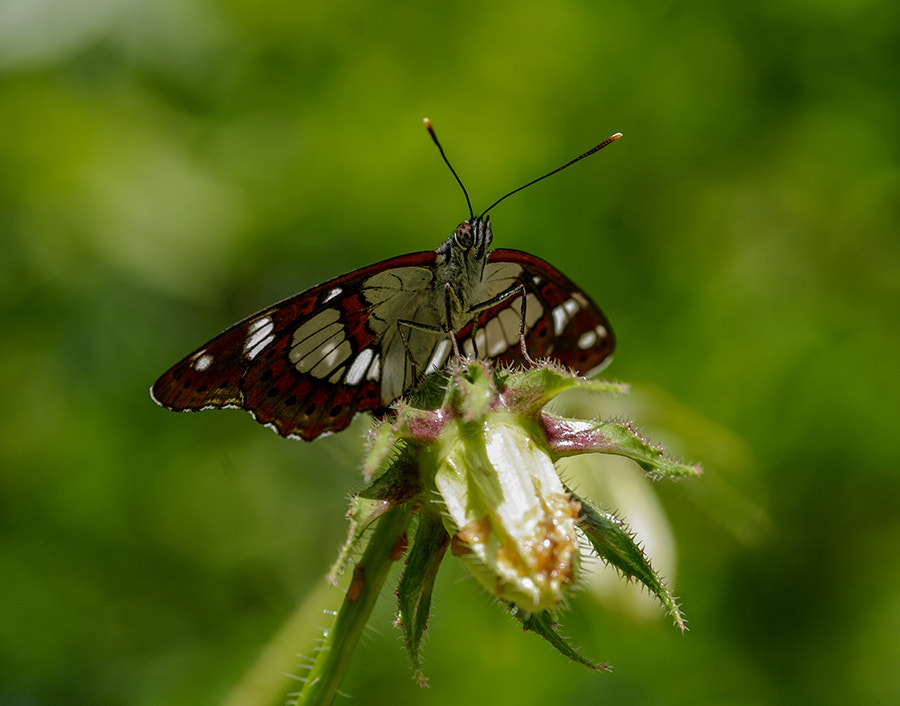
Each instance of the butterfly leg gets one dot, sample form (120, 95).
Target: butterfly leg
(448, 307)
(404, 326)
(404, 337)
(517, 291)
(474, 336)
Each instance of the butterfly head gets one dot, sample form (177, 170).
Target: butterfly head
(473, 237)
(466, 250)
(460, 263)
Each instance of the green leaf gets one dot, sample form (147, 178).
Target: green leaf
(417, 583)
(615, 544)
(543, 624)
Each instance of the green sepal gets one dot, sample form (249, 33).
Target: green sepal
(528, 391)
(386, 441)
(616, 545)
(417, 584)
(381, 446)
(543, 624)
(419, 423)
(400, 481)
(473, 393)
(431, 393)
(397, 485)
(570, 437)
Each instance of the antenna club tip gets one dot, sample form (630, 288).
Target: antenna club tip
(431, 132)
(612, 138)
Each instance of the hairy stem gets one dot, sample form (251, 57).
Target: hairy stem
(369, 576)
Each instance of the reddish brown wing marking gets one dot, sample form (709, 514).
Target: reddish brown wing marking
(248, 366)
(569, 327)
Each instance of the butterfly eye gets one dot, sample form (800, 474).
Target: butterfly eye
(464, 235)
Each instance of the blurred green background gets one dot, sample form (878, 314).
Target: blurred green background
(169, 167)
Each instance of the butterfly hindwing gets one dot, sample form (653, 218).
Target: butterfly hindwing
(310, 363)
(561, 321)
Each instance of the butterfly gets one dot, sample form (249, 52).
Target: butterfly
(309, 364)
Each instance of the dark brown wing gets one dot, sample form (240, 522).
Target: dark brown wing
(305, 366)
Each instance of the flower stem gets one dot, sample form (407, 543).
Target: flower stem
(369, 576)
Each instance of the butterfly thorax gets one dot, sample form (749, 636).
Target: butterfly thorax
(460, 263)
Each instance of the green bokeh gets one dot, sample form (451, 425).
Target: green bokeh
(167, 168)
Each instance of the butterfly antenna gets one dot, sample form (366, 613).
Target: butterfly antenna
(609, 140)
(447, 162)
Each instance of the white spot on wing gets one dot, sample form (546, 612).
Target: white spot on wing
(333, 353)
(560, 319)
(261, 322)
(375, 368)
(439, 356)
(332, 294)
(562, 314)
(202, 361)
(587, 339)
(314, 325)
(510, 320)
(497, 342)
(260, 336)
(534, 310)
(480, 341)
(320, 341)
(359, 366)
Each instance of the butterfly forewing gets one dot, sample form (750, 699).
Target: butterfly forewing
(308, 364)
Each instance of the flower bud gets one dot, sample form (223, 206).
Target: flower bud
(512, 521)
